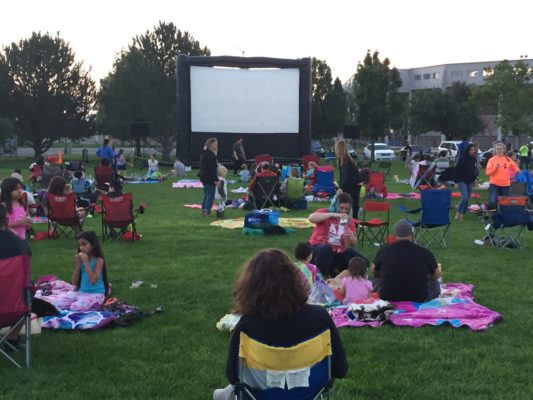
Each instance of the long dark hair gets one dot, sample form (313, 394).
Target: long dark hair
(92, 238)
(57, 185)
(270, 287)
(8, 186)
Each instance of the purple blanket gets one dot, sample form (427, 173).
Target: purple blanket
(79, 320)
(187, 183)
(456, 308)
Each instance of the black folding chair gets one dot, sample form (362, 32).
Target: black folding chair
(265, 192)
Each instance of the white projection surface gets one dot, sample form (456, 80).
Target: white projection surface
(232, 100)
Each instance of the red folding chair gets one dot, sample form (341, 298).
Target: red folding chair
(376, 189)
(118, 214)
(35, 174)
(103, 175)
(63, 215)
(262, 158)
(374, 230)
(307, 159)
(15, 303)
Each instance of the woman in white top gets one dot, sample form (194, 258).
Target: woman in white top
(153, 165)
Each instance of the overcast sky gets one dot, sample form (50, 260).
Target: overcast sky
(410, 33)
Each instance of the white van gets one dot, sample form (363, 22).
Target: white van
(451, 146)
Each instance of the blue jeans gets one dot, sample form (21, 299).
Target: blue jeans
(494, 192)
(466, 191)
(209, 196)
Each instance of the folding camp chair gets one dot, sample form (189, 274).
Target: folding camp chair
(376, 189)
(265, 192)
(425, 176)
(374, 230)
(508, 222)
(35, 174)
(324, 181)
(63, 215)
(307, 159)
(295, 192)
(434, 221)
(49, 171)
(103, 175)
(302, 371)
(15, 303)
(118, 214)
(385, 166)
(260, 158)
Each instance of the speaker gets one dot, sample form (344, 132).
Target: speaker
(351, 131)
(140, 129)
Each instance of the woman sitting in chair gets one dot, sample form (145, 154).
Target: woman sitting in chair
(271, 297)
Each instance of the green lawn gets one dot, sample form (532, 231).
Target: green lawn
(180, 354)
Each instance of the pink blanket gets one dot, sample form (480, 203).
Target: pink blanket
(457, 308)
(187, 183)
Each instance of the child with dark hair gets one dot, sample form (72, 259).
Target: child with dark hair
(89, 278)
(303, 252)
(115, 188)
(355, 286)
(12, 196)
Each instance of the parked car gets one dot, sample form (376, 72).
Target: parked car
(420, 149)
(451, 146)
(317, 149)
(382, 152)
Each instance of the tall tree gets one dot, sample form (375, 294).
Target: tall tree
(335, 107)
(142, 85)
(51, 95)
(508, 92)
(450, 112)
(378, 102)
(321, 87)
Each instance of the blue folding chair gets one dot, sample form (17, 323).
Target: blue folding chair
(508, 222)
(434, 221)
(324, 181)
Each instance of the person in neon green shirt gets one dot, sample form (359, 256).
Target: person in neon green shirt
(524, 156)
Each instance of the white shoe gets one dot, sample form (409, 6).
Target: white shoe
(224, 394)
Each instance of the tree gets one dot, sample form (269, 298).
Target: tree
(142, 85)
(335, 107)
(377, 99)
(450, 112)
(321, 87)
(51, 96)
(508, 93)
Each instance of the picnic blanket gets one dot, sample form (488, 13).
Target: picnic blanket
(143, 181)
(79, 320)
(456, 307)
(187, 183)
(415, 195)
(240, 189)
(236, 223)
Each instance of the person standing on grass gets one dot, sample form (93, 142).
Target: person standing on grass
(107, 152)
(498, 170)
(209, 174)
(349, 175)
(271, 297)
(466, 173)
(238, 156)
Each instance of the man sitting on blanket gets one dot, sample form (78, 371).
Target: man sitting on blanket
(333, 235)
(405, 271)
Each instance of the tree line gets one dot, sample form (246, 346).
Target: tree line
(46, 95)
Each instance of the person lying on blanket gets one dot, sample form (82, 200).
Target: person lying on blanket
(89, 279)
(405, 271)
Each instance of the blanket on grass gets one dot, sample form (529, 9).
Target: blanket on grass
(79, 320)
(416, 196)
(137, 182)
(213, 207)
(187, 183)
(236, 223)
(456, 307)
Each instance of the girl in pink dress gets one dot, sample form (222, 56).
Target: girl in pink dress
(356, 286)
(12, 196)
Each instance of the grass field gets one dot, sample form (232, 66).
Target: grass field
(179, 354)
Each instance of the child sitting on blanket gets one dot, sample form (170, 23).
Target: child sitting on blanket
(303, 252)
(353, 282)
(244, 174)
(89, 279)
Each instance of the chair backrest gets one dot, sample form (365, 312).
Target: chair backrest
(103, 174)
(280, 373)
(62, 209)
(512, 201)
(14, 279)
(118, 210)
(376, 180)
(324, 175)
(512, 211)
(435, 206)
(262, 158)
(49, 171)
(79, 186)
(36, 172)
(376, 206)
(295, 188)
(307, 159)
(265, 186)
